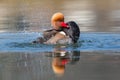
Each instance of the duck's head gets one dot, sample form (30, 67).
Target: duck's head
(56, 20)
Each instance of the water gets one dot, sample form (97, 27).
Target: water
(88, 42)
(96, 56)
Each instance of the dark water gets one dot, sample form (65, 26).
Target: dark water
(96, 56)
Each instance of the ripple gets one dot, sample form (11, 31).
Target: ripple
(21, 42)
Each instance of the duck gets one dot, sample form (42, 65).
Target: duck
(61, 32)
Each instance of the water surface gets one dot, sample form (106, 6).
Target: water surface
(89, 41)
(96, 56)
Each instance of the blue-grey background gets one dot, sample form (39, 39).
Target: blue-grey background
(34, 15)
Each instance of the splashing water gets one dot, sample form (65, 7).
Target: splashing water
(97, 41)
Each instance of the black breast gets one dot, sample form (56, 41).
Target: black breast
(73, 32)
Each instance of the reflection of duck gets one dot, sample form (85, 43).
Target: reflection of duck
(62, 58)
(61, 33)
(57, 66)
